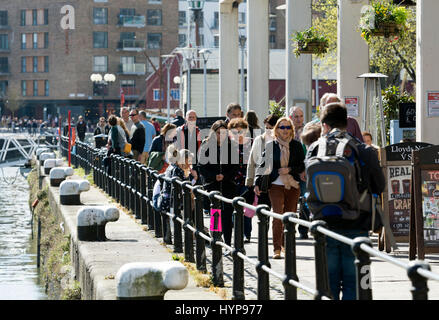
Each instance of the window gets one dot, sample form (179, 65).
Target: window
(34, 17)
(100, 1)
(23, 64)
(46, 16)
(35, 93)
(23, 41)
(127, 60)
(155, 1)
(175, 94)
(181, 18)
(22, 17)
(272, 25)
(154, 17)
(46, 88)
(182, 40)
(128, 87)
(3, 87)
(35, 40)
(35, 64)
(100, 63)
(46, 40)
(23, 88)
(127, 36)
(46, 64)
(154, 40)
(100, 15)
(215, 20)
(241, 18)
(155, 61)
(216, 41)
(100, 39)
(4, 65)
(127, 12)
(156, 93)
(4, 43)
(3, 18)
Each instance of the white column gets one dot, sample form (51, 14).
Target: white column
(298, 70)
(258, 57)
(353, 52)
(229, 54)
(427, 70)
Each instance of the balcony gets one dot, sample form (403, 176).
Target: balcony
(130, 92)
(131, 45)
(131, 21)
(132, 68)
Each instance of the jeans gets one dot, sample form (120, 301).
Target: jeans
(341, 267)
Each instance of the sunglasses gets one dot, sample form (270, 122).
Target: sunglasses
(133, 115)
(285, 127)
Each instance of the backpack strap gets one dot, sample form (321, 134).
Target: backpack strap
(321, 152)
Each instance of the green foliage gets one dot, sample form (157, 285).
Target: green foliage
(391, 100)
(277, 109)
(312, 35)
(381, 12)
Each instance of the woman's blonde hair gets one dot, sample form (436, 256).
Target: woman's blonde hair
(278, 124)
(121, 122)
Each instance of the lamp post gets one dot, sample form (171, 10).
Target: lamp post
(102, 82)
(205, 53)
(169, 61)
(196, 6)
(242, 42)
(188, 54)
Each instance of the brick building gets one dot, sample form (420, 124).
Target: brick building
(47, 67)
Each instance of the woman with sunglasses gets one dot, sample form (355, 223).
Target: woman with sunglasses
(285, 157)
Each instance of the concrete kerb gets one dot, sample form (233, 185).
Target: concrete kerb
(96, 263)
(59, 174)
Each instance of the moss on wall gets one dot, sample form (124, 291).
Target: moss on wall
(55, 264)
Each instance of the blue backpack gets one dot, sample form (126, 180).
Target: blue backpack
(334, 177)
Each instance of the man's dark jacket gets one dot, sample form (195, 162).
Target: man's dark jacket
(138, 139)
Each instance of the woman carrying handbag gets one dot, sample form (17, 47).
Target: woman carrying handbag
(284, 159)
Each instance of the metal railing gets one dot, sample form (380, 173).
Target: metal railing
(131, 184)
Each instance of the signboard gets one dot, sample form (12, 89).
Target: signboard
(206, 122)
(433, 103)
(352, 104)
(407, 115)
(424, 215)
(396, 163)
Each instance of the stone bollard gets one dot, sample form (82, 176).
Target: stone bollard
(46, 155)
(91, 222)
(39, 151)
(150, 280)
(59, 174)
(52, 163)
(70, 191)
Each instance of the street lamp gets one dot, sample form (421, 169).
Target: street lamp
(242, 42)
(188, 55)
(196, 6)
(205, 53)
(169, 61)
(102, 82)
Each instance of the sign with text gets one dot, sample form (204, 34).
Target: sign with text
(396, 163)
(407, 115)
(433, 103)
(352, 104)
(424, 213)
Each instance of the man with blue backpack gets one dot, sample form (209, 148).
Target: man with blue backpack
(344, 178)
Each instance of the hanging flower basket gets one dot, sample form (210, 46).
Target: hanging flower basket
(383, 20)
(387, 29)
(310, 42)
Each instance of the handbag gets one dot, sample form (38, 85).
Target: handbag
(127, 148)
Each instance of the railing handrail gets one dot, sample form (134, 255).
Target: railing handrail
(414, 267)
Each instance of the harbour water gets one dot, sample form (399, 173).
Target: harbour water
(18, 260)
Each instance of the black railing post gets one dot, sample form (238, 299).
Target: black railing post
(117, 178)
(362, 264)
(111, 177)
(95, 167)
(149, 208)
(176, 201)
(419, 287)
(238, 263)
(290, 256)
(122, 180)
(263, 276)
(321, 260)
(217, 252)
(143, 191)
(127, 183)
(188, 220)
(157, 215)
(166, 224)
(200, 247)
(138, 194)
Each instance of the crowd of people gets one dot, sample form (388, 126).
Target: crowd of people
(265, 163)
(27, 124)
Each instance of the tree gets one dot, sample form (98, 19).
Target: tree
(388, 56)
(12, 103)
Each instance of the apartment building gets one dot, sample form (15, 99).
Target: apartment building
(50, 48)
